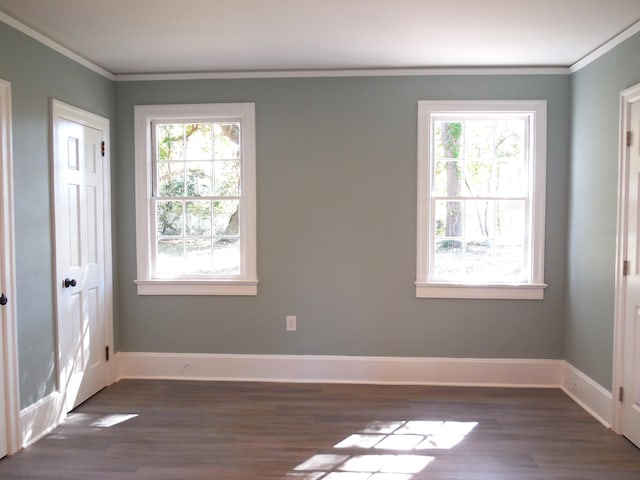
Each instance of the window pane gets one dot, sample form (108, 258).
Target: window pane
(479, 235)
(479, 221)
(448, 218)
(448, 139)
(510, 262)
(227, 175)
(169, 218)
(510, 222)
(198, 137)
(170, 141)
(447, 178)
(225, 217)
(227, 141)
(478, 260)
(448, 253)
(226, 256)
(509, 138)
(510, 178)
(198, 217)
(198, 256)
(479, 139)
(199, 179)
(169, 260)
(448, 259)
(477, 176)
(170, 179)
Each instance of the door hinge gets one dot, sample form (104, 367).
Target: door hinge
(106, 351)
(102, 147)
(625, 268)
(629, 137)
(620, 394)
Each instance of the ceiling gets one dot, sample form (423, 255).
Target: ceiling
(169, 36)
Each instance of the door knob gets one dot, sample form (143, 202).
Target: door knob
(69, 282)
(3, 299)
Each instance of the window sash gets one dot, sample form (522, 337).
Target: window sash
(212, 160)
(184, 236)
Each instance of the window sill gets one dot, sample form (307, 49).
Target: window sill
(529, 291)
(198, 287)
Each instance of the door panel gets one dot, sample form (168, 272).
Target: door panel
(80, 259)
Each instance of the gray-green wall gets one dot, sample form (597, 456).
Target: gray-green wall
(592, 221)
(38, 74)
(336, 210)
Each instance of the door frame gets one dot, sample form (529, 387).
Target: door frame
(627, 97)
(8, 275)
(64, 111)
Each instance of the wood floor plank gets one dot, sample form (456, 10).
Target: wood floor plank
(142, 430)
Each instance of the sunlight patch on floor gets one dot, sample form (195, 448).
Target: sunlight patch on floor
(111, 420)
(398, 436)
(411, 435)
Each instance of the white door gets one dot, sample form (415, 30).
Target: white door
(9, 436)
(82, 289)
(631, 331)
(3, 320)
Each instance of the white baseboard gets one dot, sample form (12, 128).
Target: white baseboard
(341, 369)
(587, 393)
(40, 418)
(43, 416)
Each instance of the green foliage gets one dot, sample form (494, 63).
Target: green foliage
(449, 245)
(174, 186)
(452, 134)
(170, 218)
(170, 213)
(170, 139)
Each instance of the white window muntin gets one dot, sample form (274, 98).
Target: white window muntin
(244, 283)
(531, 285)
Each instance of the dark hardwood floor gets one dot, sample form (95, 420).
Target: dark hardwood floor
(164, 430)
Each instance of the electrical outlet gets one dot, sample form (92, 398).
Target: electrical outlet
(291, 323)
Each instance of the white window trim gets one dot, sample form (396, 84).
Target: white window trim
(533, 290)
(247, 281)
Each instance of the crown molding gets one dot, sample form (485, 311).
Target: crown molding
(365, 72)
(53, 45)
(605, 47)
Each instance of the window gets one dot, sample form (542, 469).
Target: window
(195, 199)
(481, 192)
